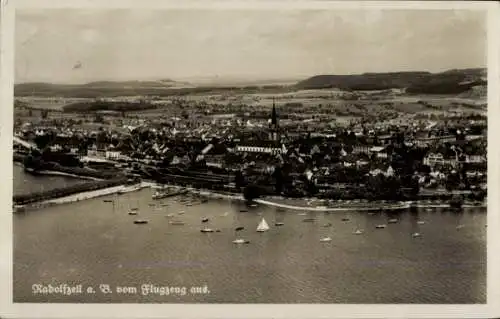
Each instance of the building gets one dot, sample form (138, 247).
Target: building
(270, 146)
(274, 134)
(258, 149)
(433, 159)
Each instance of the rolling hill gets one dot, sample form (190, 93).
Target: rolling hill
(448, 82)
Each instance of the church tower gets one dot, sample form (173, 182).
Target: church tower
(274, 127)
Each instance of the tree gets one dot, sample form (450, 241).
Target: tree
(239, 180)
(252, 192)
(452, 181)
(278, 176)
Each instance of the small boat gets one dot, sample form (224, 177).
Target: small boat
(108, 201)
(414, 235)
(381, 226)
(240, 241)
(308, 220)
(327, 225)
(243, 211)
(345, 219)
(140, 221)
(177, 222)
(429, 209)
(163, 205)
(217, 230)
(204, 220)
(263, 226)
(239, 228)
(392, 221)
(358, 232)
(189, 204)
(279, 224)
(169, 215)
(151, 204)
(253, 205)
(207, 230)
(302, 214)
(181, 212)
(132, 212)
(420, 222)
(134, 209)
(325, 239)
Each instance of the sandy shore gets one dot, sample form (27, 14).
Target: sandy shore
(334, 209)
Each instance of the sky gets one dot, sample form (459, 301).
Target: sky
(83, 45)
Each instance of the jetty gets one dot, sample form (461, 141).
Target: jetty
(26, 199)
(169, 193)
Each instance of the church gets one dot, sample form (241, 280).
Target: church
(270, 146)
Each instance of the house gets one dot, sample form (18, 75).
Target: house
(361, 149)
(259, 149)
(475, 159)
(432, 159)
(379, 150)
(113, 155)
(55, 148)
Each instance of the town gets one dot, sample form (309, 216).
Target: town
(276, 144)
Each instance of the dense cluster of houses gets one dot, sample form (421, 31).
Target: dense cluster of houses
(257, 147)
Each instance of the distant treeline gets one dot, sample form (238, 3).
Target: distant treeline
(448, 82)
(416, 82)
(107, 106)
(442, 88)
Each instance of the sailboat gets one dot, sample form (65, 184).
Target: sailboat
(263, 226)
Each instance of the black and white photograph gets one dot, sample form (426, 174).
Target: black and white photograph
(250, 155)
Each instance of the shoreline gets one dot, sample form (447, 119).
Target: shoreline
(80, 196)
(56, 173)
(275, 201)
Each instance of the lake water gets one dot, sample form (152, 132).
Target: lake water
(27, 183)
(93, 242)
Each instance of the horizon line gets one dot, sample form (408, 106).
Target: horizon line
(241, 78)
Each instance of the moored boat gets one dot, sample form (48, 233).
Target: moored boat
(177, 222)
(241, 241)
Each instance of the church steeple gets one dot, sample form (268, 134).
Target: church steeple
(273, 133)
(274, 116)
